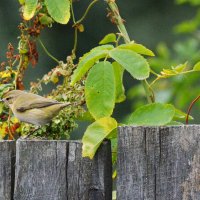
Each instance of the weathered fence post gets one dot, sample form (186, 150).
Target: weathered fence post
(159, 163)
(55, 170)
(7, 161)
(89, 179)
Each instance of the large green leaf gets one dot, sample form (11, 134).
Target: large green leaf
(155, 114)
(95, 134)
(134, 63)
(100, 90)
(119, 88)
(59, 10)
(29, 9)
(88, 60)
(138, 48)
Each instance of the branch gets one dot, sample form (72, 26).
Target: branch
(123, 31)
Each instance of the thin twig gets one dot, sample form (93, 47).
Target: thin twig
(47, 52)
(86, 12)
(190, 107)
(75, 42)
(72, 11)
(120, 25)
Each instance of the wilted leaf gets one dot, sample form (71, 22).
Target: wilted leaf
(155, 114)
(59, 10)
(95, 134)
(134, 63)
(100, 90)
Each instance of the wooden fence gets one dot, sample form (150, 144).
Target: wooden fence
(159, 163)
(154, 163)
(53, 170)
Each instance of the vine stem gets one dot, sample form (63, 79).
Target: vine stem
(86, 12)
(47, 52)
(76, 23)
(190, 107)
(75, 42)
(72, 11)
(120, 25)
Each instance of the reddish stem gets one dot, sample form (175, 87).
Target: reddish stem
(190, 107)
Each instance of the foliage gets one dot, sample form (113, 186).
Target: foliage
(96, 80)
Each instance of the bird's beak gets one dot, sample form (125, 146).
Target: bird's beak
(2, 100)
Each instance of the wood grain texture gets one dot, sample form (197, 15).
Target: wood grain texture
(89, 179)
(7, 160)
(55, 170)
(159, 163)
(41, 170)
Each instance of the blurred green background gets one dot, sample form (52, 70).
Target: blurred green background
(149, 22)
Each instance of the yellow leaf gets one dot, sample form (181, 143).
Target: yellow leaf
(3, 130)
(95, 134)
(14, 120)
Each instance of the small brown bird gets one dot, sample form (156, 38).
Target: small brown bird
(32, 108)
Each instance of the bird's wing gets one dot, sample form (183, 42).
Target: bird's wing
(33, 101)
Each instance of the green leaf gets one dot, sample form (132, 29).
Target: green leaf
(21, 1)
(138, 48)
(113, 134)
(111, 37)
(197, 66)
(1, 107)
(88, 60)
(180, 115)
(174, 123)
(59, 10)
(95, 134)
(134, 63)
(5, 88)
(192, 2)
(188, 26)
(119, 88)
(100, 90)
(86, 117)
(114, 142)
(180, 68)
(155, 114)
(45, 20)
(29, 9)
